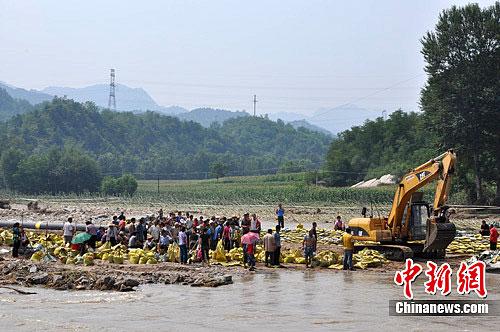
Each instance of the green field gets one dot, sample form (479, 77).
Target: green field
(288, 189)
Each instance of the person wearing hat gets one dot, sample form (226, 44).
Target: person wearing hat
(235, 220)
(150, 243)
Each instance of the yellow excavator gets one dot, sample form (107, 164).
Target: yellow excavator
(411, 219)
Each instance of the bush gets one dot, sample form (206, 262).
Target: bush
(124, 185)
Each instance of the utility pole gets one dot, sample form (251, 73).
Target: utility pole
(112, 99)
(158, 184)
(254, 104)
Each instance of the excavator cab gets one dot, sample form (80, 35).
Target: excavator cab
(432, 226)
(420, 213)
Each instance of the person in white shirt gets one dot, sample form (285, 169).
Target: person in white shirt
(183, 245)
(68, 231)
(154, 230)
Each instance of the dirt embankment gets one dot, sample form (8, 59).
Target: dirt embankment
(107, 277)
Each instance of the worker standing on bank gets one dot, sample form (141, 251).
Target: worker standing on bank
(348, 243)
(280, 214)
(493, 237)
(68, 231)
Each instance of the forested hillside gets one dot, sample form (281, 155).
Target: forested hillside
(10, 106)
(151, 145)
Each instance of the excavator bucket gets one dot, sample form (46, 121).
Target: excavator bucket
(439, 235)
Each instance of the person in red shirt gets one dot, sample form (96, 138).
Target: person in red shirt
(226, 236)
(493, 237)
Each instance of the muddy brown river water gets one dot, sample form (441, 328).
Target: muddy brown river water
(267, 300)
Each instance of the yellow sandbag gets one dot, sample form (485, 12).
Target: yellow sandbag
(152, 261)
(219, 254)
(37, 256)
(118, 259)
(289, 259)
(300, 260)
(173, 253)
(134, 259)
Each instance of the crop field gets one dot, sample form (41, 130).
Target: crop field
(257, 190)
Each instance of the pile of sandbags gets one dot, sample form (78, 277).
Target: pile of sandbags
(472, 244)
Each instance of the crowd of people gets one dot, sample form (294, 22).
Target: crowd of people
(200, 234)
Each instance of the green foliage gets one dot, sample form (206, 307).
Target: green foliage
(124, 185)
(150, 145)
(379, 147)
(218, 169)
(54, 171)
(10, 106)
(460, 99)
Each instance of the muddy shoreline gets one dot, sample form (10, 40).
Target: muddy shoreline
(107, 277)
(124, 278)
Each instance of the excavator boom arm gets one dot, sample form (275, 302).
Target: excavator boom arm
(440, 167)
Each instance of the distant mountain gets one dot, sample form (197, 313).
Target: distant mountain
(10, 106)
(206, 116)
(286, 116)
(32, 96)
(303, 123)
(298, 120)
(342, 118)
(137, 100)
(334, 120)
(127, 98)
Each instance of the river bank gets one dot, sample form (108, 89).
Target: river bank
(279, 300)
(103, 276)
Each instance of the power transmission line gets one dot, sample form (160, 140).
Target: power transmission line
(254, 104)
(112, 99)
(366, 96)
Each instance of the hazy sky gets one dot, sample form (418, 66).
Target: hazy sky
(297, 56)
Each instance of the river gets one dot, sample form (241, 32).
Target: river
(276, 300)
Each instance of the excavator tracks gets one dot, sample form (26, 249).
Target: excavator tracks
(392, 252)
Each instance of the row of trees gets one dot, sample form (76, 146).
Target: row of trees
(55, 171)
(461, 110)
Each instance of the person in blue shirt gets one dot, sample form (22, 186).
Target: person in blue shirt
(280, 213)
(217, 234)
